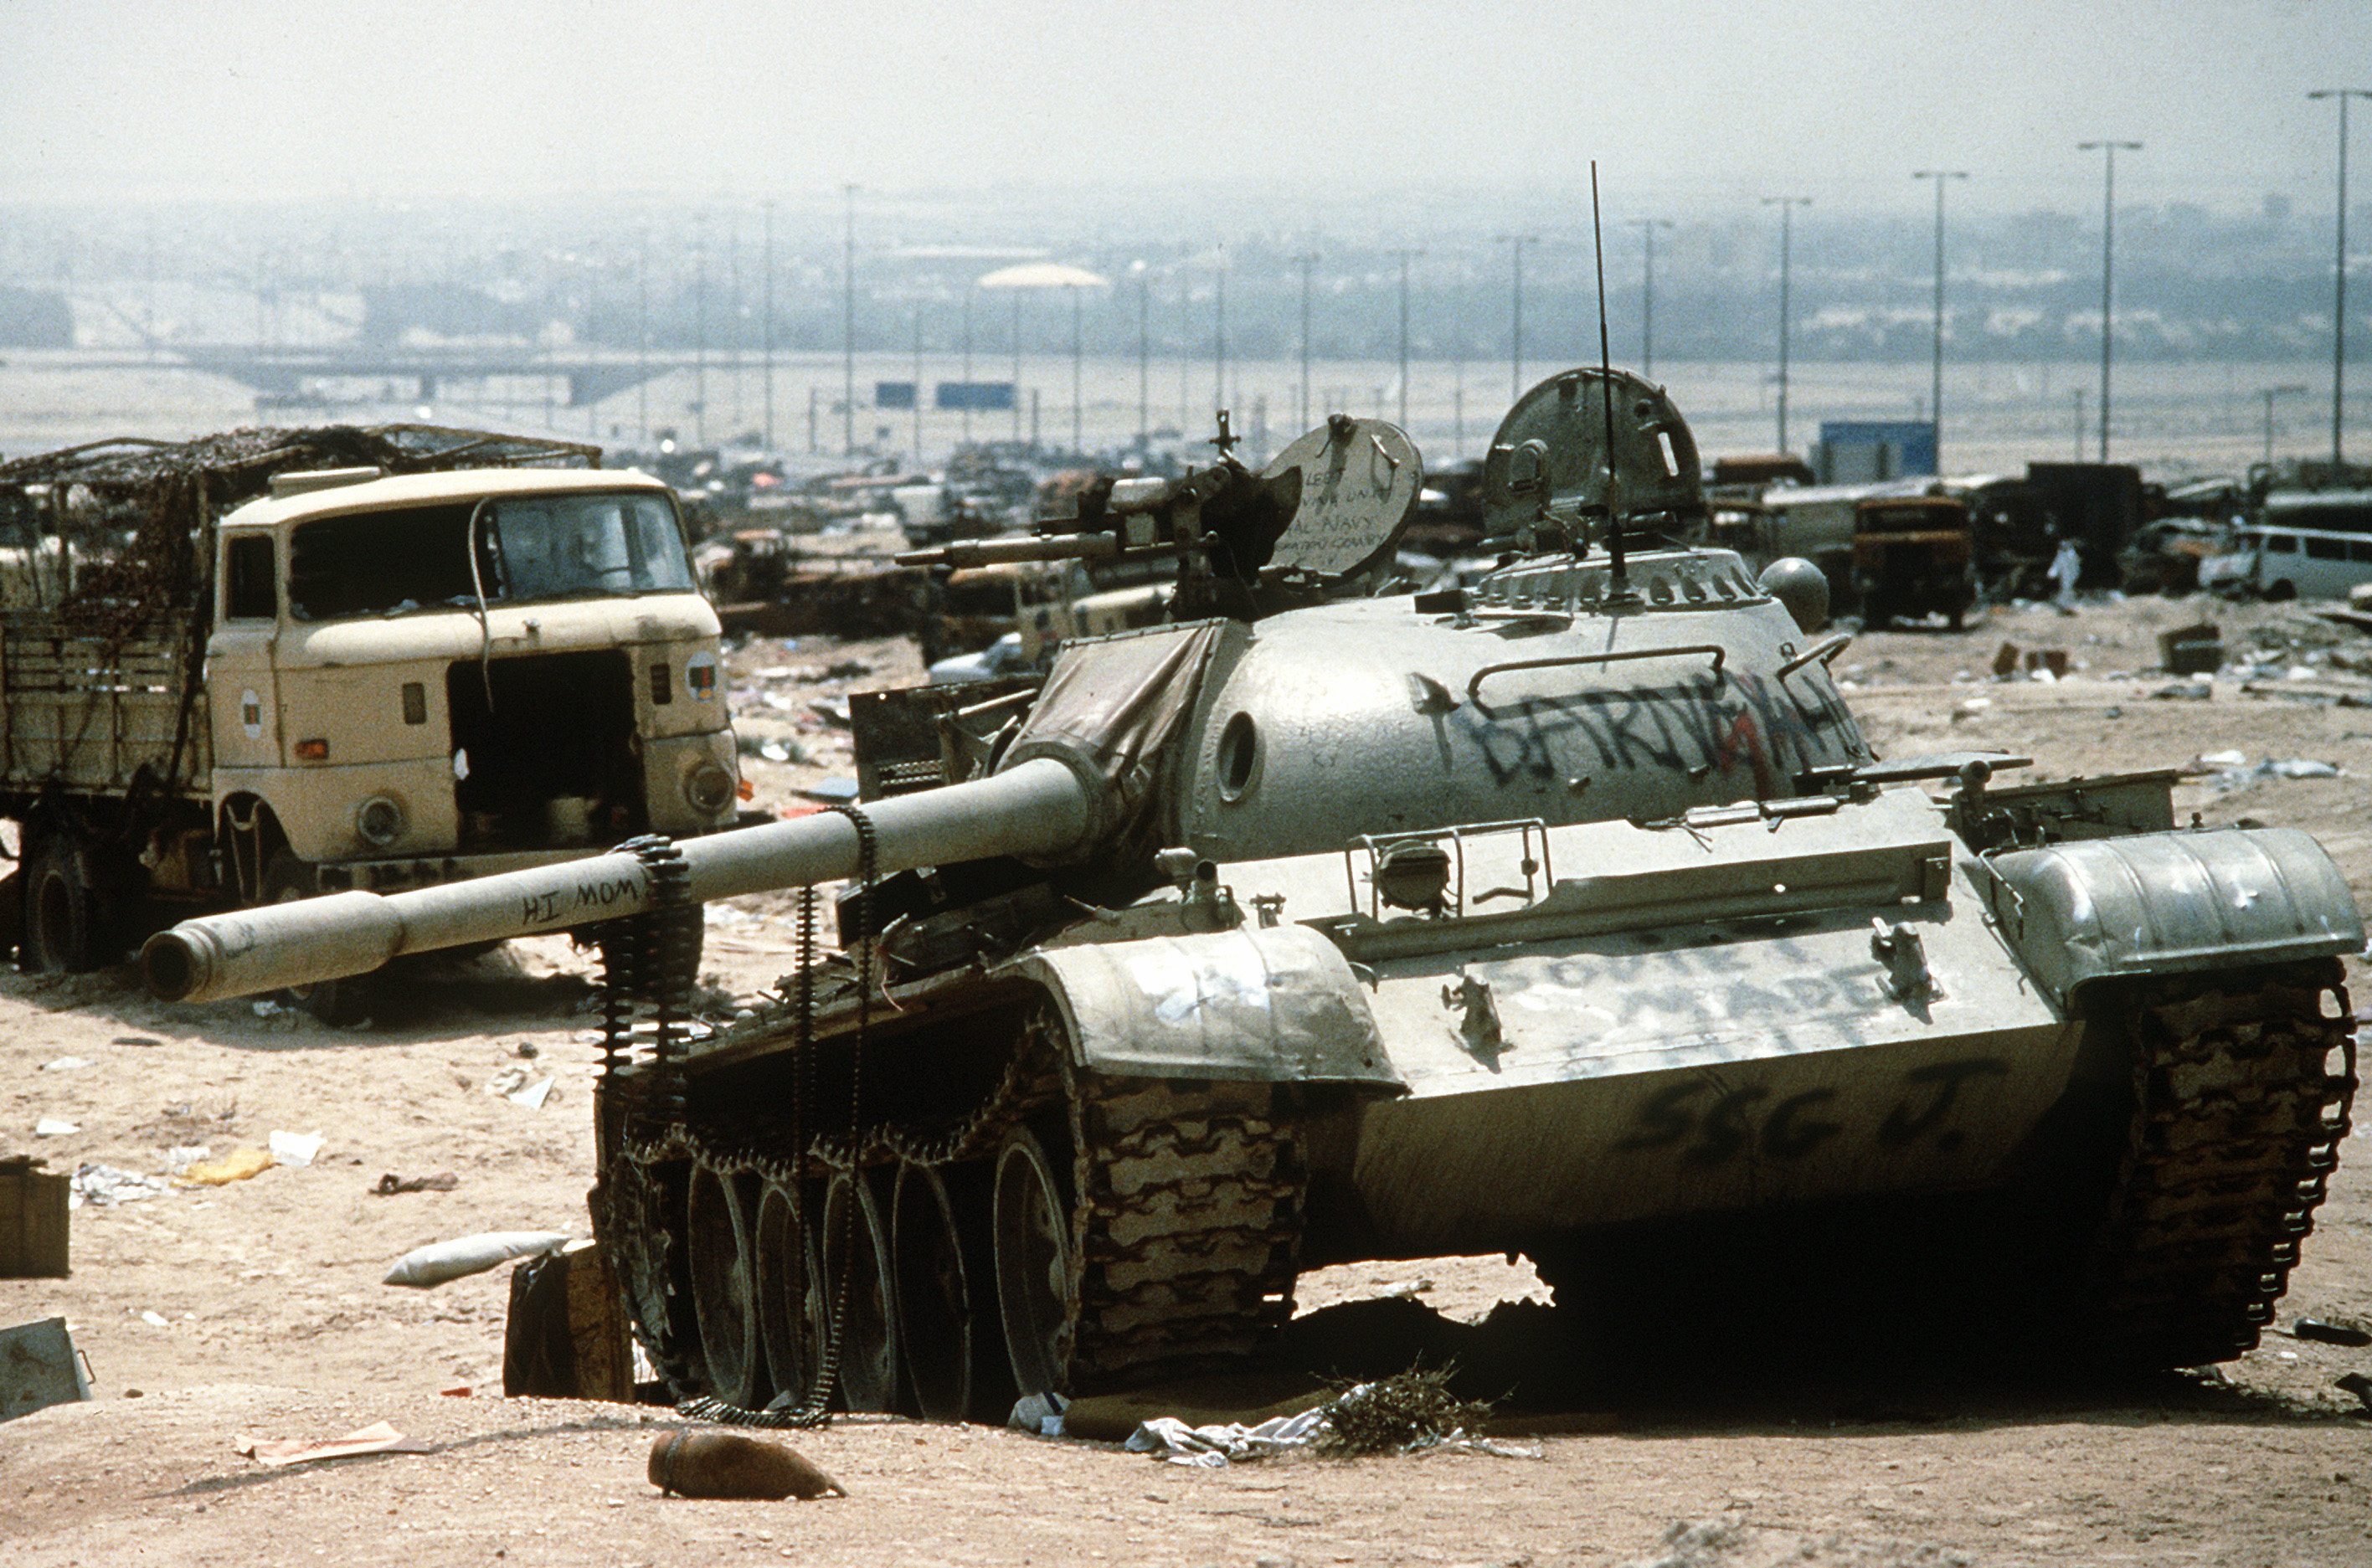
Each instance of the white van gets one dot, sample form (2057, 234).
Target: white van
(2302, 544)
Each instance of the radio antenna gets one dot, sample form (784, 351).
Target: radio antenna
(1618, 585)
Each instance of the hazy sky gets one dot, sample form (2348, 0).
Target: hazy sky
(1687, 107)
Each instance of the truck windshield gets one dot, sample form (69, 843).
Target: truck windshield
(541, 547)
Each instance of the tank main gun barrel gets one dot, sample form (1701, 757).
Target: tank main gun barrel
(966, 552)
(1042, 809)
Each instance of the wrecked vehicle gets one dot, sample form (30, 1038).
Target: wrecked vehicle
(1568, 914)
(1914, 556)
(275, 662)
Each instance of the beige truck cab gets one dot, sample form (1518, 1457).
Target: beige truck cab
(424, 677)
(240, 670)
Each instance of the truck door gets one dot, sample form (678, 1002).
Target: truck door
(241, 691)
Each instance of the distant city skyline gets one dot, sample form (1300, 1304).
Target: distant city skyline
(1317, 112)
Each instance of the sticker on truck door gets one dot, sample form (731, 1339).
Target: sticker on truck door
(250, 714)
(700, 676)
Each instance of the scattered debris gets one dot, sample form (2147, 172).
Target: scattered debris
(2191, 650)
(39, 1367)
(725, 1464)
(1211, 1446)
(1408, 1410)
(33, 1232)
(442, 1260)
(378, 1438)
(515, 1085)
(103, 1187)
(65, 1064)
(237, 1166)
(390, 1184)
(2329, 1333)
(294, 1148)
(2234, 770)
(1040, 1415)
(2357, 1384)
(54, 1127)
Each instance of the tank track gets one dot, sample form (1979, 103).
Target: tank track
(1188, 1227)
(2236, 1124)
(1185, 1228)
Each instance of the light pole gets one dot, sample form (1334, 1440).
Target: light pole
(1936, 380)
(1787, 206)
(2108, 273)
(1219, 332)
(1405, 255)
(1078, 415)
(643, 338)
(1647, 228)
(2268, 394)
(766, 304)
(1144, 353)
(1515, 243)
(2339, 275)
(700, 329)
(848, 325)
(1305, 260)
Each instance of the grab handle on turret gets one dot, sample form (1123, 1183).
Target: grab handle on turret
(1617, 655)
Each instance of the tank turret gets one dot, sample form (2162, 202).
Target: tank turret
(1565, 911)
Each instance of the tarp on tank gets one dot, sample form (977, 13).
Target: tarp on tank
(1118, 702)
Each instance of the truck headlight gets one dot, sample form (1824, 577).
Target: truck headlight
(709, 788)
(379, 821)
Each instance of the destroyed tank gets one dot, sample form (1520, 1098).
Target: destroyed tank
(1565, 914)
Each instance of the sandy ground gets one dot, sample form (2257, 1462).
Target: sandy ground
(256, 1307)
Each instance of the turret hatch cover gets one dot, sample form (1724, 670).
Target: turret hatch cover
(1356, 482)
(1548, 461)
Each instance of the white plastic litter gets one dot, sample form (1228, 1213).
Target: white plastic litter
(294, 1148)
(65, 1064)
(1039, 1414)
(514, 1085)
(442, 1260)
(51, 1127)
(103, 1187)
(1211, 1446)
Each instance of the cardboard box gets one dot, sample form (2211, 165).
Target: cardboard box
(32, 1220)
(2191, 650)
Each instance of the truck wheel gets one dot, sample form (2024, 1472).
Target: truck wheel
(65, 914)
(337, 1002)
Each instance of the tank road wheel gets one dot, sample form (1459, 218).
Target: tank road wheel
(65, 916)
(1037, 1288)
(2241, 1082)
(934, 1294)
(720, 1244)
(338, 1002)
(790, 1295)
(856, 1275)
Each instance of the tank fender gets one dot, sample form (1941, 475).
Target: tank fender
(2158, 903)
(1265, 1004)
